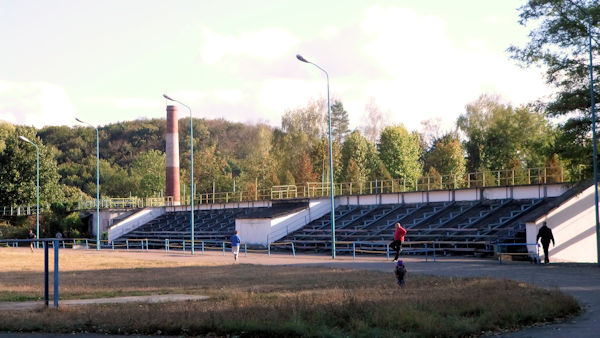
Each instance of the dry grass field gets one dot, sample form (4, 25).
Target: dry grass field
(259, 300)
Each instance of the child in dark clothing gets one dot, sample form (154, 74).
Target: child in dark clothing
(400, 272)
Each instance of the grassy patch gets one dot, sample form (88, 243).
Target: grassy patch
(256, 300)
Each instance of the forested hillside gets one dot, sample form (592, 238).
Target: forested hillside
(490, 135)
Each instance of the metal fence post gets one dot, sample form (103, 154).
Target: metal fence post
(293, 250)
(56, 279)
(434, 251)
(426, 253)
(202, 243)
(86, 244)
(147, 246)
(499, 252)
(387, 251)
(269, 249)
(113, 245)
(353, 251)
(46, 275)
(223, 248)
(183, 242)
(127, 243)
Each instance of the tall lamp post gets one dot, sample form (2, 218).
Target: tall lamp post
(593, 108)
(37, 190)
(97, 183)
(593, 111)
(191, 166)
(332, 192)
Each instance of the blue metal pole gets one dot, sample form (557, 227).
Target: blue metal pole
(37, 187)
(332, 191)
(37, 193)
(593, 108)
(46, 275)
(56, 279)
(97, 190)
(191, 175)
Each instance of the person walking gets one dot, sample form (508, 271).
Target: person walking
(235, 245)
(396, 244)
(31, 236)
(545, 234)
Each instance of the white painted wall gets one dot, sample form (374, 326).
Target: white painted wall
(133, 222)
(574, 229)
(261, 231)
(468, 194)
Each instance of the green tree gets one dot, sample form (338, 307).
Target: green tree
(356, 150)
(446, 156)
(339, 122)
(559, 41)
(498, 135)
(149, 173)
(400, 151)
(18, 168)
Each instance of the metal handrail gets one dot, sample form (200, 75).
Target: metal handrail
(492, 178)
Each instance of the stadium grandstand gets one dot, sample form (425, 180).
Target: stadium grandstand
(465, 221)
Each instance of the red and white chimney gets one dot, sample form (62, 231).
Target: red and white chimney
(172, 150)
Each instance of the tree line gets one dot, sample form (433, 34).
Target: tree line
(489, 135)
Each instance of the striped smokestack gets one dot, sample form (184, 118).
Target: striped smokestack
(172, 137)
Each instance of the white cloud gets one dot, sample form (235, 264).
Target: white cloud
(35, 103)
(494, 20)
(228, 95)
(134, 102)
(265, 44)
(427, 76)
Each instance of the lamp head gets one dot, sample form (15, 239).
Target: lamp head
(167, 97)
(299, 57)
(25, 139)
(78, 120)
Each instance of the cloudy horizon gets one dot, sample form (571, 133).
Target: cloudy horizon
(111, 61)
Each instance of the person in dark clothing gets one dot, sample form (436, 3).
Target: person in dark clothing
(545, 234)
(398, 240)
(31, 235)
(400, 272)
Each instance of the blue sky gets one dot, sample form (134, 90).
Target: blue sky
(108, 61)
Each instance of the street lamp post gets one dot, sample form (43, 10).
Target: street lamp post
(191, 166)
(37, 190)
(595, 153)
(97, 183)
(593, 111)
(332, 192)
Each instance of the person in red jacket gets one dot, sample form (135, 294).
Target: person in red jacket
(398, 240)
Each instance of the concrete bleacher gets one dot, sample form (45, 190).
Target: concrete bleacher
(462, 221)
(468, 226)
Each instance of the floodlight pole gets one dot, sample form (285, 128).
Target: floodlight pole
(593, 103)
(37, 188)
(332, 191)
(97, 182)
(191, 167)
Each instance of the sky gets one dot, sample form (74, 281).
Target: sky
(109, 61)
